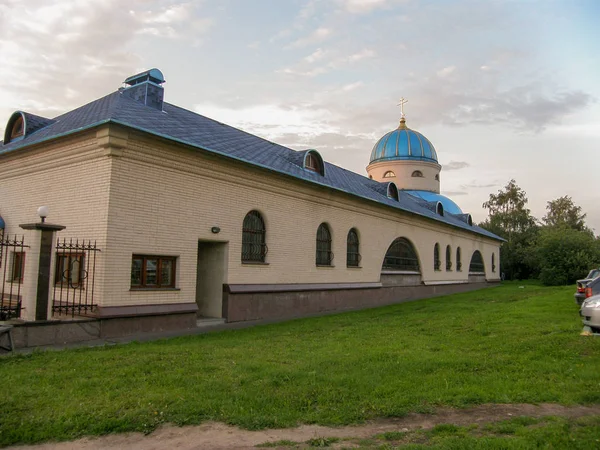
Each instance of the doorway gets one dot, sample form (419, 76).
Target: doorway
(210, 277)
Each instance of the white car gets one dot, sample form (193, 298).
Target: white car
(590, 313)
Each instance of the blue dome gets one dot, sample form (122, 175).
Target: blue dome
(449, 205)
(405, 144)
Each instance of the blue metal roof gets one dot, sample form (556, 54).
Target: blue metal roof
(449, 205)
(2, 224)
(404, 144)
(204, 134)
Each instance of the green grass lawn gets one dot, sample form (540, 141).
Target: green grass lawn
(499, 345)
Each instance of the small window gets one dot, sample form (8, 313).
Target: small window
(417, 174)
(448, 258)
(17, 267)
(352, 249)
(314, 162)
(70, 269)
(370, 177)
(324, 255)
(17, 128)
(437, 262)
(392, 191)
(458, 262)
(152, 272)
(476, 265)
(493, 262)
(401, 256)
(439, 209)
(437, 177)
(254, 248)
(389, 174)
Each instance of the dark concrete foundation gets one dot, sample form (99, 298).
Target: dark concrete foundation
(254, 302)
(60, 332)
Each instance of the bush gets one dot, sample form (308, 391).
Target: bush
(566, 255)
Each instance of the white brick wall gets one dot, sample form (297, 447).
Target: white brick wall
(140, 195)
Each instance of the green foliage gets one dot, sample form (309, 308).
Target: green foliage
(500, 345)
(510, 219)
(566, 255)
(558, 253)
(563, 213)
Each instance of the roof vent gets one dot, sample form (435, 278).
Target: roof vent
(146, 88)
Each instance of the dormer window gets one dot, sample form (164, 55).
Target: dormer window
(314, 162)
(417, 174)
(392, 191)
(439, 208)
(18, 128)
(389, 174)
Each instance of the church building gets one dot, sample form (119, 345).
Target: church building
(167, 217)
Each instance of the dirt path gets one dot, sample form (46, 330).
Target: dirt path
(212, 435)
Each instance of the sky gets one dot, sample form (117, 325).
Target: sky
(503, 89)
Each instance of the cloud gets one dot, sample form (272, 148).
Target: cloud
(57, 55)
(317, 55)
(303, 68)
(446, 71)
(478, 185)
(272, 121)
(455, 165)
(364, 6)
(319, 35)
(455, 193)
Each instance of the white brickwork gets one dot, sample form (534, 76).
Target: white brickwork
(135, 194)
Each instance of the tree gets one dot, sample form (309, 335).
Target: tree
(509, 218)
(562, 212)
(566, 254)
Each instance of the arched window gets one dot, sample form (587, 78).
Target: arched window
(401, 255)
(314, 162)
(254, 248)
(392, 191)
(417, 174)
(448, 258)
(324, 253)
(389, 174)
(437, 177)
(352, 249)
(17, 128)
(476, 265)
(458, 261)
(493, 262)
(439, 209)
(437, 262)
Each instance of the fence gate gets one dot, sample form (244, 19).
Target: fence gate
(74, 277)
(12, 265)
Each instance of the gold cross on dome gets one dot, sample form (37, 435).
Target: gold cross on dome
(401, 105)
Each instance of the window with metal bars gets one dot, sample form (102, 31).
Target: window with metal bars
(70, 269)
(254, 248)
(448, 258)
(352, 249)
(18, 267)
(476, 265)
(401, 255)
(458, 261)
(437, 262)
(324, 255)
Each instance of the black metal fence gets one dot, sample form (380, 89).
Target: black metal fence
(73, 292)
(12, 266)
